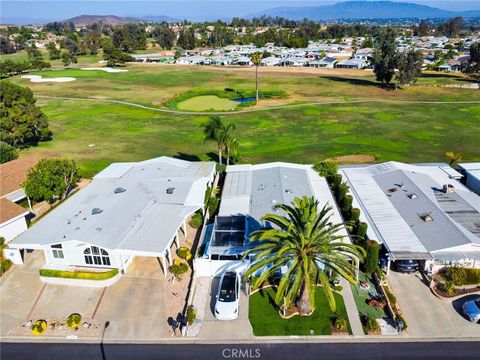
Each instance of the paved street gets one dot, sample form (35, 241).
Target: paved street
(304, 351)
(229, 329)
(425, 314)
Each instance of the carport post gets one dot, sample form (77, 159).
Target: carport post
(177, 240)
(162, 261)
(169, 252)
(185, 227)
(388, 265)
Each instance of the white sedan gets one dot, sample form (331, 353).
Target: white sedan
(226, 307)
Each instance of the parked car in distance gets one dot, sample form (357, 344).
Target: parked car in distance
(471, 309)
(226, 306)
(407, 266)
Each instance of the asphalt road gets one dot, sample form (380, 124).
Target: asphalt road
(303, 351)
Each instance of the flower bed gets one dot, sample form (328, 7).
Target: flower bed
(79, 274)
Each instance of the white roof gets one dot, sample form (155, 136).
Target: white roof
(144, 217)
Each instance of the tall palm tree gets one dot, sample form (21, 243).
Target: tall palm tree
(308, 245)
(214, 130)
(230, 142)
(256, 60)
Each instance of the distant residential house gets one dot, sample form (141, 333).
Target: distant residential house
(418, 212)
(129, 209)
(351, 64)
(326, 62)
(294, 61)
(13, 217)
(270, 61)
(243, 61)
(220, 60)
(191, 60)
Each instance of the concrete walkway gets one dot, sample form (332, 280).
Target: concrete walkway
(351, 307)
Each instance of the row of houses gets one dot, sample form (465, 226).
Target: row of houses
(417, 212)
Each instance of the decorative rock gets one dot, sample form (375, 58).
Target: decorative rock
(28, 323)
(86, 325)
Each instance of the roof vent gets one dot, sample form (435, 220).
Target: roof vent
(119, 190)
(170, 190)
(96, 211)
(426, 217)
(448, 188)
(412, 196)
(392, 190)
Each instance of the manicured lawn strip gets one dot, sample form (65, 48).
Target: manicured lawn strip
(206, 103)
(361, 296)
(266, 321)
(96, 134)
(79, 274)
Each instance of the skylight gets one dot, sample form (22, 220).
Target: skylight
(119, 190)
(170, 190)
(96, 211)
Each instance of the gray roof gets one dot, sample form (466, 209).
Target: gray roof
(441, 232)
(384, 194)
(143, 218)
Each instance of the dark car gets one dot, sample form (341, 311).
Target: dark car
(407, 266)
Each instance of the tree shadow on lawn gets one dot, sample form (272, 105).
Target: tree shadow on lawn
(212, 156)
(188, 157)
(447, 76)
(352, 81)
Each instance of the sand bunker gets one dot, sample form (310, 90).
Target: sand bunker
(41, 79)
(106, 69)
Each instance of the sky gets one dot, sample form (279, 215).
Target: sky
(181, 9)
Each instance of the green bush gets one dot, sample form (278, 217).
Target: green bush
(213, 206)
(197, 220)
(342, 190)
(347, 207)
(7, 152)
(184, 253)
(355, 215)
(362, 230)
(326, 168)
(462, 276)
(392, 298)
(5, 264)
(74, 320)
(371, 259)
(336, 181)
(208, 193)
(78, 274)
(340, 323)
(449, 287)
(370, 323)
(191, 314)
(178, 269)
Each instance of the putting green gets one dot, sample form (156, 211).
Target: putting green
(207, 102)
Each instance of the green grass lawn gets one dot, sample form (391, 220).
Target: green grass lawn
(390, 131)
(266, 321)
(361, 296)
(206, 103)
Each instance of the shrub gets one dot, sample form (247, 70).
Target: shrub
(184, 253)
(197, 220)
(78, 274)
(342, 190)
(74, 320)
(178, 269)
(370, 323)
(336, 181)
(347, 206)
(392, 298)
(4, 263)
(326, 168)
(191, 314)
(7, 152)
(449, 287)
(371, 259)
(340, 323)
(213, 206)
(462, 276)
(208, 193)
(38, 327)
(362, 230)
(355, 214)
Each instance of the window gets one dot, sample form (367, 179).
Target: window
(57, 251)
(96, 256)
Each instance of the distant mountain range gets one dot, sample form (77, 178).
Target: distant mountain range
(104, 19)
(363, 10)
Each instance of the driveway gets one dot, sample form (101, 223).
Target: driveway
(426, 314)
(215, 329)
(133, 306)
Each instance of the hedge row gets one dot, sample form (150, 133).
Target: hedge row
(79, 274)
(463, 276)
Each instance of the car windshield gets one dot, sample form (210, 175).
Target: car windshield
(227, 289)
